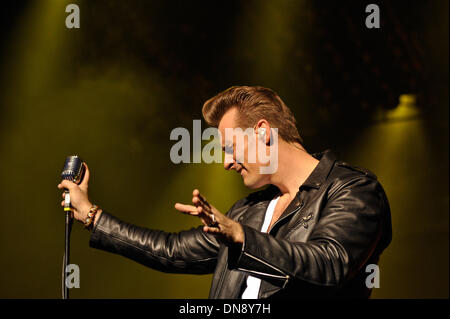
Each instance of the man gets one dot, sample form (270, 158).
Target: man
(310, 233)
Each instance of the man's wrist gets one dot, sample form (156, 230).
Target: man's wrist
(91, 216)
(239, 237)
(85, 211)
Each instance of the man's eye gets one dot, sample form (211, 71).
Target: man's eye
(228, 149)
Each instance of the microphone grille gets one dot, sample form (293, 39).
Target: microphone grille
(73, 169)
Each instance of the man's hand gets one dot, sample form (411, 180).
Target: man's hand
(226, 229)
(79, 197)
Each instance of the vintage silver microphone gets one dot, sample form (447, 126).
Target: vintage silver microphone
(73, 171)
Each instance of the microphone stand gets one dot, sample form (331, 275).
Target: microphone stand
(68, 229)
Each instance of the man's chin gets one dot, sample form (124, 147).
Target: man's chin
(252, 184)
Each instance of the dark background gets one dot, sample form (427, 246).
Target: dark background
(113, 90)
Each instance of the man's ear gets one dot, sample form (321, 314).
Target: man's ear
(262, 134)
(262, 128)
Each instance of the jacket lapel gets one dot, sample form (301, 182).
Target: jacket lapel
(253, 217)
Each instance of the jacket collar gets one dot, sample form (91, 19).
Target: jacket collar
(314, 180)
(322, 170)
(254, 216)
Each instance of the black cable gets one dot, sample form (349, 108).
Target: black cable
(68, 229)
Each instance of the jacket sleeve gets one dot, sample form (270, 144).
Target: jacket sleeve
(342, 240)
(191, 251)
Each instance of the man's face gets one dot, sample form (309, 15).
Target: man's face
(238, 147)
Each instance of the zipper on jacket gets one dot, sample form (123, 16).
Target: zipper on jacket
(263, 273)
(285, 276)
(284, 217)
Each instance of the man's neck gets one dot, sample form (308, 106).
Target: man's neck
(294, 167)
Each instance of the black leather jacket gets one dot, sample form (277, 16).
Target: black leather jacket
(338, 223)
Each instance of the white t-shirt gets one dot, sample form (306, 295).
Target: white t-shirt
(253, 283)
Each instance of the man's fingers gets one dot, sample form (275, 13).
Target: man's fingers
(204, 210)
(203, 201)
(189, 209)
(207, 217)
(211, 230)
(199, 203)
(67, 184)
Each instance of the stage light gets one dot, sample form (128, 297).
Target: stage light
(406, 109)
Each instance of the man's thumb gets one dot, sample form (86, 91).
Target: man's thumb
(85, 181)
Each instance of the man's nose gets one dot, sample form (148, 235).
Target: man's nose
(228, 162)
